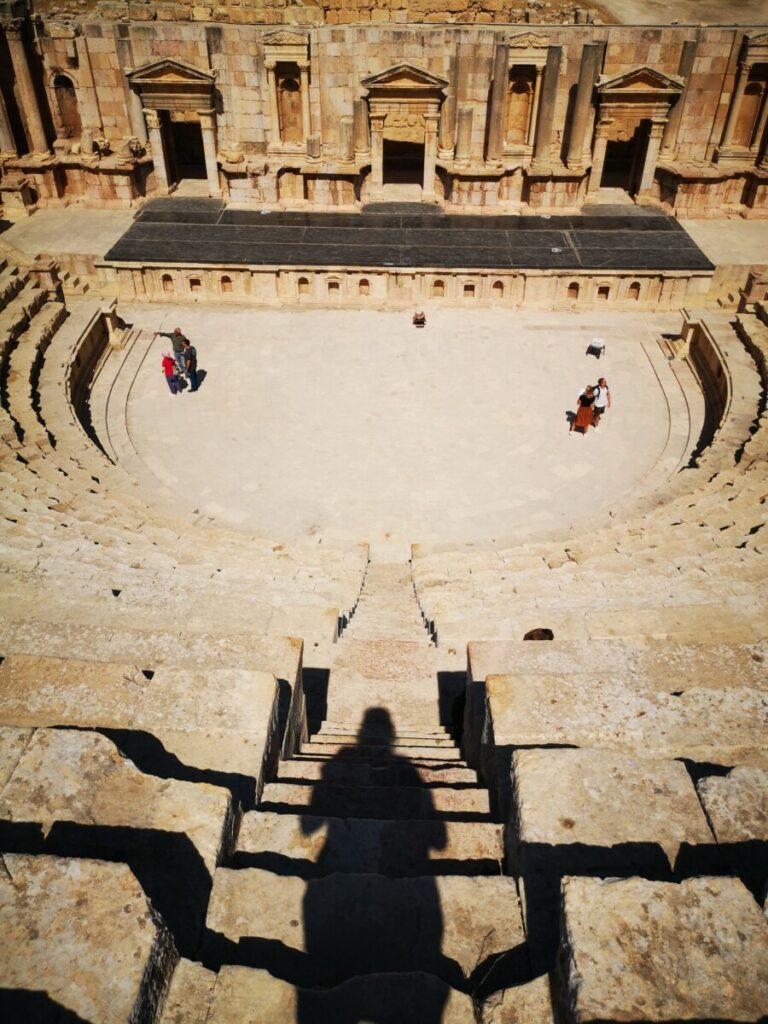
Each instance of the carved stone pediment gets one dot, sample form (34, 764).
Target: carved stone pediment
(170, 84)
(641, 80)
(527, 41)
(405, 77)
(756, 48)
(169, 70)
(284, 37)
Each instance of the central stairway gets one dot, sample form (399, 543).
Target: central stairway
(375, 852)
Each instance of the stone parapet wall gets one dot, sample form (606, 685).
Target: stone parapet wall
(371, 288)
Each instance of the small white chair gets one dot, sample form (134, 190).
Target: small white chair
(596, 348)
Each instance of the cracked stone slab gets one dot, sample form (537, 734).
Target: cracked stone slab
(524, 1004)
(73, 776)
(12, 745)
(637, 950)
(246, 996)
(81, 934)
(190, 994)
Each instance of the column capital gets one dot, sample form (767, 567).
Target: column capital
(303, 65)
(152, 118)
(270, 64)
(745, 66)
(13, 27)
(431, 122)
(539, 69)
(377, 122)
(206, 115)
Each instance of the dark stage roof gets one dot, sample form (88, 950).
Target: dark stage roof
(204, 231)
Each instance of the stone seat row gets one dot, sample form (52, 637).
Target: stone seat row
(713, 936)
(707, 545)
(57, 469)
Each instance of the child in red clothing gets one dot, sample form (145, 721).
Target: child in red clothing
(169, 369)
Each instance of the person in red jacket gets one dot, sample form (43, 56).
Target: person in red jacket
(169, 369)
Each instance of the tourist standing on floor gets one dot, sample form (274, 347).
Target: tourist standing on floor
(583, 418)
(169, 369)
(177, 340)
(190, 364)
(602, 400)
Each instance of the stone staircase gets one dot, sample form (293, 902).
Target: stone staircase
(367, 851)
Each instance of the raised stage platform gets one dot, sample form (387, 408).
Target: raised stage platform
(403, 254)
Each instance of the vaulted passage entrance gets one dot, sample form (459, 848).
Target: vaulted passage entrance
(403, 162)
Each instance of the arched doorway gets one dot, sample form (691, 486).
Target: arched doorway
(70, 124)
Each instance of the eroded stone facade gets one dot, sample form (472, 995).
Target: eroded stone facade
(130, 101)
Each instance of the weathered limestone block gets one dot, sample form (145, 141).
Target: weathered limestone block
(637, 950)
(81, 934)
(737, 808)
(567, 797)
(190, 994)
(223, 721)
(719, 726)
(335, 927)
(72, 776)
(245, 996)
(12, 745)
(524, 1004)
(569, 816)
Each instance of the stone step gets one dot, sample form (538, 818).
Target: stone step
(314, 749)
(366, 773)
(376, 801)
(326, 735)
(328, 930)
(352, 728)
(243, 995)
(310, 846)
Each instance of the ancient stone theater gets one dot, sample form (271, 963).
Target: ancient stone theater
(384, 461)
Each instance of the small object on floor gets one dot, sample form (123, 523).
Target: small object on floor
(596, 348)
(419, 319)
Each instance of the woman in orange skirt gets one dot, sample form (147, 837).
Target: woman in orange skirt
(583, 418)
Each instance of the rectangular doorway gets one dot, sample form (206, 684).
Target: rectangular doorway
(403, 163)
(188, 156)
(624, 160)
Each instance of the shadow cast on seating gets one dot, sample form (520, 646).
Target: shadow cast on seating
(358, 924)
(150, 756)
(315, 683)
(167, 865)
(27, 1006)
(451, 697)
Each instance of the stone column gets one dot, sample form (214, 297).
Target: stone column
(591, 60)
(158, 151)
(760, 131)
(7, 143)
(89, 92)
(274, 116)
(598, 157)
(535, 107)
(447, 129)
(347, 139)
(684, 68)
(136, 115)
(546, 118)
(30, 108)
(208, 129)
(430, 155)
(498, 99)
(464, 134)
(377, 153)
(361, 129)
(651, 157)
(306, 122)
(735, 107)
